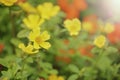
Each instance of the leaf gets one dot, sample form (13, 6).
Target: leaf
(3, 62)
(15, 68)
(43, 74)
(95, 50)
(47, 65)
(7, 74)
(73, 68)
(53, 71)
(112, 49)
(90, 73)
(23, 33)
(29, 60)
(104, 63)
(73, 77)
(15, 41)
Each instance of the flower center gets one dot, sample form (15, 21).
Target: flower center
(38, 40)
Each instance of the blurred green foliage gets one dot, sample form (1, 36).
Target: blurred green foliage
(103, 65)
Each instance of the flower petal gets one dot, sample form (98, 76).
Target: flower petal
(45, 45)
(36, 46)
(45, 36)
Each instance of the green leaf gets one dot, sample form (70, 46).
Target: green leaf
(53, 71)
(73, 77)
(104, 63)
(15, 41)
(7, 74)
(3, 62)
(29, 60)
(95, 50)
(43, 74)
(15, 68)
(90, 73)
(47, 65)
(23, 33)
(73, 68)
(112, 49)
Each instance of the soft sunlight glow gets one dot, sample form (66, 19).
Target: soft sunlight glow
(114, 5)
(112, 8)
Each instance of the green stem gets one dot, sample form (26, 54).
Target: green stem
(99, 56)
(38, 64)
(24, 57)
(13, 31)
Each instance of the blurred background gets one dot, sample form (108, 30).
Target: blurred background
(72, 57)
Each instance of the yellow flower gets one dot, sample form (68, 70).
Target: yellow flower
(39, 39)
(87, 26)
(55, 77)
(47, 10)
(4, 78)
(100, 41)
(27, 7)
(109, 28)
(73, 26)
(8, 2)
(33, 21)
(60, 78)
(27, 49)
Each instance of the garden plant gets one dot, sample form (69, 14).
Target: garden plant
(57, 40)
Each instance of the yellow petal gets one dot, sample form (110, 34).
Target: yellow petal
(33, 34)
(52, 77)
(26, 22)
(56, 9)
(45, 45)
(8, 2)
(87, 26)
(45, 36)
(67, 23)
(47, 10)
(100, 41)
(22, 46)
(36, 46)
(5, 78)
(73, 26)
(28, 49)
(33, 21)
(48, 4)
(60, 78)
(109, 28)
(74, 33)
(27, 7)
